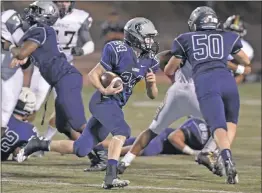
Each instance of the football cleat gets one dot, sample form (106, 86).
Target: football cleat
(207, 159)
(231, 172)
(121, 167)
(219, 168)
(98, 161)
(34, 144)
(111, 180)
(116, 183)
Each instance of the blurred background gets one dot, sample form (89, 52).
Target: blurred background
(170, 18)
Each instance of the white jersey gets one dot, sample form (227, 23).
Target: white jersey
(184, 74)
(247, 48)
(11, 31)
(67, 30)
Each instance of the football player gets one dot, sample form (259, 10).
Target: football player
(215, 87)
(11, 78)
(73, 33)
(235, 24)
(203, 23)
(19, 130)
(188, 139)
(53, 65)
(132, 60)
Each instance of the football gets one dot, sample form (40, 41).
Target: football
(107, 77)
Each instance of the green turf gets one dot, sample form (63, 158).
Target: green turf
(64, 174)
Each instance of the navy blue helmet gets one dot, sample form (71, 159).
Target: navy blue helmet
(203, 18)
(41, 12)
(64, 8)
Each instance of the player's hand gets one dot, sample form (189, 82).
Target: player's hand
(247, 70)
(30, 101)
(110, 90)
(150, 77)
(15, 62)
(77, 51)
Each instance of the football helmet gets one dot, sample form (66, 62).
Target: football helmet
(236, 24)
(41, 12)
(203, 18)
(140, 33)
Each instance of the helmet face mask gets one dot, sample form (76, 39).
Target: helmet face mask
(140, 33)
(41, 12)
(64, 7)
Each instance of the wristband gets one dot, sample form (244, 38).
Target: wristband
(11, 46)
(240, 69)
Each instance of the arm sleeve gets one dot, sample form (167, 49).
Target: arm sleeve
(84, 34)
(177, 48)
(109, 57)
(36, 34)
(237, 45)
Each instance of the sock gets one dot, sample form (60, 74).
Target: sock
(112, 162)
(99, 148)
(210, 146)
(51, 131)
(129, 157)
(226, 154)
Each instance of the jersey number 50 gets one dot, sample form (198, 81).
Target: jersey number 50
(207, 46)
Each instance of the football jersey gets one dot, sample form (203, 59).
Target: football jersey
(67, 29)
(17, 134)
(207, 49)
(48, 57)
(11, 30)
(196, 134)
(120, 58)
(247, 48)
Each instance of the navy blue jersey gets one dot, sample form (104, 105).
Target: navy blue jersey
(48, 56)
(120, 58)
(196, 134)
(206, 49)
(17, 134)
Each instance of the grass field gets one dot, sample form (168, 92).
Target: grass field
(177, 174)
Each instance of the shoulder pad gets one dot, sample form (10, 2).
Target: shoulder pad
(12, 20)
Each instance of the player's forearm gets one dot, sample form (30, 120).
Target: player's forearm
(172, 66)
(28, 72)
(94, 77)
(152, 90)
(242, 58)
(25, 50)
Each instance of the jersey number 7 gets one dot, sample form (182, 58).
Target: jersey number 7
(67, 33)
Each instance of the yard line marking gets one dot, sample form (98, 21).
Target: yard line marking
(249, 102)
(30, 182)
